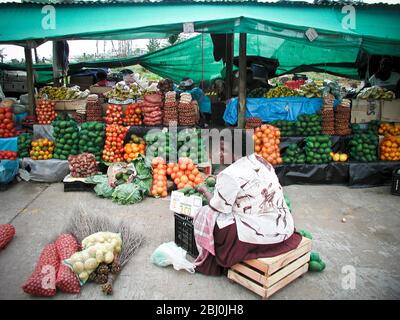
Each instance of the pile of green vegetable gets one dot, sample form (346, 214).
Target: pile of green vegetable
(309, 125)
(209, 184)
(189, 143)
(157, 144)
(363, 147)
(126, 192)
(287, 128)
(66, 135)
(294, 154)
(370, 127)
(318, 149)
(24, 145)
(91, 138)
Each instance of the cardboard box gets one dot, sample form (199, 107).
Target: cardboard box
(391, 111)
(363, 111)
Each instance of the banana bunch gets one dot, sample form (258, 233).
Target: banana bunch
(123, 91)
(376, 93)
(62, 93)
(310, 90)
(281, 91)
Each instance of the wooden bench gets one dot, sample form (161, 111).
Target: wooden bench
(265, 276)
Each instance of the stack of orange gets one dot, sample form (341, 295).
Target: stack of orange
(388, 129)
(390, 148)
(42, 149)
(184, 173)
(159, 187)
(266, 143)
(132, 151)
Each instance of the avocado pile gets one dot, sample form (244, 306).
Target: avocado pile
(157, 144)
(24, 145)
(309, 125)
(91, 138)
(191, 145)
(370, 127)
(66, 135)
(188, 144)
(363, 147)
(287, 128)
(318, 149)
(209, 183)
(294, 154)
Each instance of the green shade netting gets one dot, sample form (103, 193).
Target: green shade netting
(274, 31)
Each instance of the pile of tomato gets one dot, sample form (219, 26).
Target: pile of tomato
(114, 114)
(7, 129)
(133, 115)
(45, 111)
(42, 149)
(114, 145)
(8, 155)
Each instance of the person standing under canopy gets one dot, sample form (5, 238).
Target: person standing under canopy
(204, 102)
(385, 77)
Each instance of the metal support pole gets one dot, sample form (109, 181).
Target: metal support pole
(242, 80)
(30, 79)
(229, 65)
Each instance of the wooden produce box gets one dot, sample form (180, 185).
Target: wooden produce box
(265, 276)
(390, 110)
(363, 111)
(70, 105)
(99, 90)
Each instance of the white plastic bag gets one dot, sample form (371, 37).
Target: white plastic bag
(169, 253)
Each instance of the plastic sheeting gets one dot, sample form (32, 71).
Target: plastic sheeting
(41, 131)
(8, 170)
(353, 174)
(10, 144)
(372, 173)
(52, 170)
(270, 109)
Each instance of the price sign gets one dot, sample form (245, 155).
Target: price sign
(311, 34)
(185, 205)
(188, 27)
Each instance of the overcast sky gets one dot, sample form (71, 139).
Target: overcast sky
(78, 47)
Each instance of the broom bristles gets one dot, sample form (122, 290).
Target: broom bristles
(83, 225)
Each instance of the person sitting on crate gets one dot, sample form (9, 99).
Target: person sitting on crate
(247, 218)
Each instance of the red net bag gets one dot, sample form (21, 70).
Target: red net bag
(66, 281)
(7, 232)
(42, 281)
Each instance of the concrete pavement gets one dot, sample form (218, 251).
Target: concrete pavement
(367, 242)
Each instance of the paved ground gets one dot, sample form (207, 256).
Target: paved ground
(368, 241)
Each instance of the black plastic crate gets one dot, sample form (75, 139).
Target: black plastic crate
(396, 183)
(184, 234)
(78, 186)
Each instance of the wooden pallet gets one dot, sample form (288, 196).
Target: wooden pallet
(265, 276)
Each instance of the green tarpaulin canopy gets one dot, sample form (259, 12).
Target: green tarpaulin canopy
(275, 30)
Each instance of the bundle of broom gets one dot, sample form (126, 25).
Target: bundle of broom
(83, 225)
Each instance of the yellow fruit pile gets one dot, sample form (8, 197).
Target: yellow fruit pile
(42, 149)
(339, 157)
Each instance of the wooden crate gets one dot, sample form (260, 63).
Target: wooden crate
(265, 276)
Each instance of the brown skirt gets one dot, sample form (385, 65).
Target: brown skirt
(229, 250)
